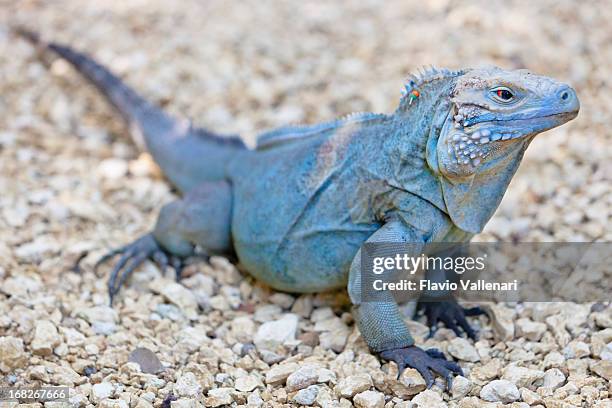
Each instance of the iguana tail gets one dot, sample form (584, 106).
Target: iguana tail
(187, 155)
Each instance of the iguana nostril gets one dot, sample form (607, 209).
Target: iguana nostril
(565, 95)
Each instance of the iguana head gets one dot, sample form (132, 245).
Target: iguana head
(477, 126)
(495, 113)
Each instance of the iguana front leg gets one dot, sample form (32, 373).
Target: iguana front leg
(441, 306)
(381, 323)
(202, 218)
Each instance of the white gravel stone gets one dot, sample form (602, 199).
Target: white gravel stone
(302, 378)
(603, 369)
(369, 399)
(461, 387)
(184, 403)
(187, 385)
(576, 349)
(306, 396)
(254, 400)
(428, 399)
(353, 384)
(270, 335)
(409, 383)
(530, 397)
(521, 376)
(500, 391)
(279, 373)
(529, 329)
(553, 379)
(247, 383)
(112, 168)
(102, 391)
(12, 354)
(46, 338)
(463, 350)
(72, 337)
(219, 396)
(178, 295)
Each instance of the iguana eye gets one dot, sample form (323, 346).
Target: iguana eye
(502, 94)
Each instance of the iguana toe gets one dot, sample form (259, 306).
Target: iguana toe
(426, 362)
(451, 314)
(132, 256)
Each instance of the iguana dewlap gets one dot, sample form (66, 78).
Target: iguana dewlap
(296, 209)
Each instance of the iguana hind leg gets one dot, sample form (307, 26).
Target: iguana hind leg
(199, 220)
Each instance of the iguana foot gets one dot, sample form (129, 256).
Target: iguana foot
(451, 314)
(132, 256)
(424, 361)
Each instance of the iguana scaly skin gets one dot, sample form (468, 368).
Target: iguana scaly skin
(296, 209)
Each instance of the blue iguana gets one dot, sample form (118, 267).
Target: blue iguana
(296, 209)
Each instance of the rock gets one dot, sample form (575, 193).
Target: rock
(529, 329)
(530, 397)
(103, 319)
(354, 384)
(461, 387)
(105, 403)
(255, 400)
(306, 396)
(302, 378)
(599, 340)
(576, 349)
(178, 295)
(279, 373)
(272, 334)
(325, 375)
(187, 386)
(409, 383)
(369, 399)
(247, 383)
(310, 339)
(66, 376)
(461, 349)
(46, 338)
(428, 399)
(553, 379)
(184, 403)
(72, 337)
(12, 354)
(102, 391)
(554, 359)
(521, 376)
(112, 169)
(283, 300)
(36, 250)
(219, 396)
(270, 357)
(243, 329)
(104, 328)
(502, 320)
(144, 403)
(303, 306)
(336, 339)
(500, 391)
(606, 353)
(485, 373)
(603, 369)
(146, 359)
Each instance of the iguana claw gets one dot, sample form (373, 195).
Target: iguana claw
(451, 314)
(424, 361)
(132, 256)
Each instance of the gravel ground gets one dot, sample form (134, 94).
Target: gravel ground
(73, 183)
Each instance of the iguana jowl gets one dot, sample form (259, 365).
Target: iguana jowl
(296, 209)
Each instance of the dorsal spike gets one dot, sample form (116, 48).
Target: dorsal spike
(425, 75)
